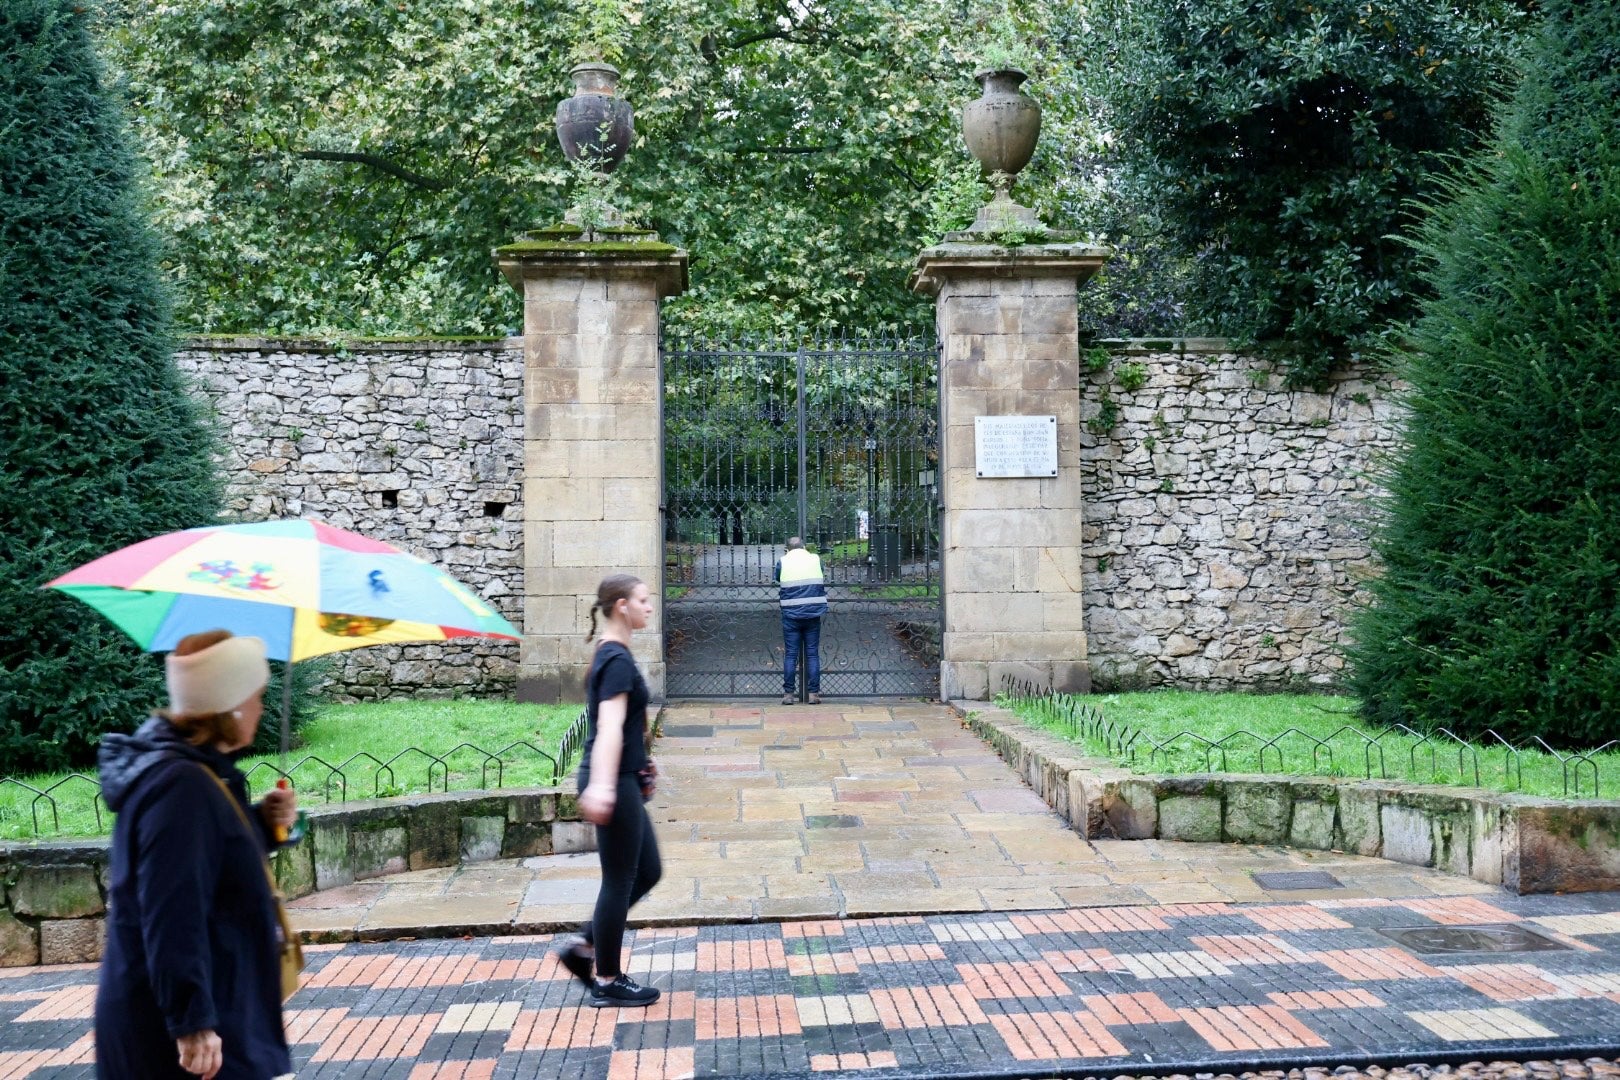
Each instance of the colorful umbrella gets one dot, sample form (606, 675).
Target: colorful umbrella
(305, 587)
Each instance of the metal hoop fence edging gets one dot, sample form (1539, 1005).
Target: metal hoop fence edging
(1426, 757)
(316, 773)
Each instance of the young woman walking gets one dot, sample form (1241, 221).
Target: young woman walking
(616, 777)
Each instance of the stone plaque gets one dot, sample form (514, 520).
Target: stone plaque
(1013, 446)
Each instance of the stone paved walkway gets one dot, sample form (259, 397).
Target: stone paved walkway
(1173, 988)
(796, 812)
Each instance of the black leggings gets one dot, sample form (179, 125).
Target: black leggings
(630, 868)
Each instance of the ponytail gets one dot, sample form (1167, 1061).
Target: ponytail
(613, 588)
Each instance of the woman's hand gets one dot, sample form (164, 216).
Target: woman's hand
(201, 1053)
(596, 803)
(649, 779)
(279, 807)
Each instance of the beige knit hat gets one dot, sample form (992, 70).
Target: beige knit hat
(217, 679)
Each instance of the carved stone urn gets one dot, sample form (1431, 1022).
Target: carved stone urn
(595, 123)
(1001, 128)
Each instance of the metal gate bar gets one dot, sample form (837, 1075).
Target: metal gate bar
(832, 439)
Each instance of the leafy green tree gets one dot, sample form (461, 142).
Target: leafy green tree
(99, 443)
(1280, 144)
(1499, 602)
(326, 166)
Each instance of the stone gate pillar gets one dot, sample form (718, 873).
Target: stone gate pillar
(1009, 338)
(592, 461)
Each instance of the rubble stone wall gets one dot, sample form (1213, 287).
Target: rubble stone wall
(419, 444)
(1226, 517)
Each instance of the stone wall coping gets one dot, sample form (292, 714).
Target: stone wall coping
(385, 807)
(1141, 346)
(935, 265)
(662, 264)
(413, 346)
(1137, 346)
(1158, 346)
(67, 852)
(1528, 843)
(54, 852)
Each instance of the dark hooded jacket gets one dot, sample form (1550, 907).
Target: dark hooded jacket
(192, 937)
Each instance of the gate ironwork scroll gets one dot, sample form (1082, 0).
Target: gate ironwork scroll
(831, 439)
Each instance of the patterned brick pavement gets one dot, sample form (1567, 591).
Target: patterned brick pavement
(1089, 991)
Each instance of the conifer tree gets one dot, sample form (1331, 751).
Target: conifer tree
(100, 443)
(1282, 143)
(1498, 602)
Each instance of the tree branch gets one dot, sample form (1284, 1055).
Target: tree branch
(381, 164)
(794, 34)
(766, 35)
(906, 174)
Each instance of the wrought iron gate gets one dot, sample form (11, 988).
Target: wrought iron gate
(829, 439)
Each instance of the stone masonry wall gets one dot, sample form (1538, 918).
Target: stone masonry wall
(1224, 533)
(1225, 516)
(418, 444)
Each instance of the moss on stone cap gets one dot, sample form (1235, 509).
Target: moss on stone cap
(581, 247)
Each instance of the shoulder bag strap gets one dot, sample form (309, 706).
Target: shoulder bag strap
(241, 816)
(292, 951)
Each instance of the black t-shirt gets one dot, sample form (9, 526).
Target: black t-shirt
(614, 672)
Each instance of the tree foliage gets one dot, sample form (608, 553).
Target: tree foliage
(1280, 143)
(1499, 604)
(342, 165)
(99, 444)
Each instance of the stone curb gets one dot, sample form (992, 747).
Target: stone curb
(1524, 843)
(53, 895)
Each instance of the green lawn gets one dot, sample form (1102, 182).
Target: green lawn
(845, 550)
(1187, 732)
(342, 736)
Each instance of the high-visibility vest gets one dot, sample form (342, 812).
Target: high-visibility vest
(803, 591)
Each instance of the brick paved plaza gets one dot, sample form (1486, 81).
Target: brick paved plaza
(867, 824)
(1096, 990)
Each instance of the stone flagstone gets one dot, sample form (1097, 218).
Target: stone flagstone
(847, 810)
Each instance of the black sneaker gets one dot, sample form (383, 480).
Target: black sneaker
(574, 954)
(624, 993)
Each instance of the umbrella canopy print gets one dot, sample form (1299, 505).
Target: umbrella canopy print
(305, 587)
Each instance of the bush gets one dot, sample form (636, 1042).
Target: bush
(99, 442)
(1499, 602)
(1280, 144)
(309, 677)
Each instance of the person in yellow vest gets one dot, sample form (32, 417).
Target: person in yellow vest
(803, 593)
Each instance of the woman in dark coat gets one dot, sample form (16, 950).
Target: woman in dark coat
(191, 978)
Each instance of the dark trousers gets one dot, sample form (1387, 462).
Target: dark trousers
(793, 632)
(628, 851)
